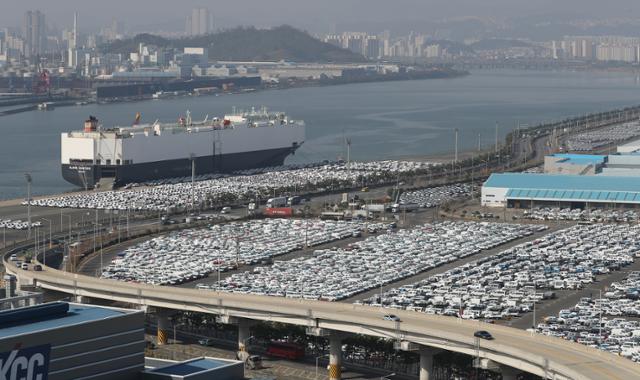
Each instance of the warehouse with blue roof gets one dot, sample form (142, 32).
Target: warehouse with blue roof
(560, 190)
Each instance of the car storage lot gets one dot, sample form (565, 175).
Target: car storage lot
(436, 196)
(339, 273)
(592, 140)
(192, 254)
(579, 215)
(507, 284)
(608, 321)
(178, 194)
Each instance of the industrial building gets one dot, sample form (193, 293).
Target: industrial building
(61, 340)
(617, 165)
(558, 190)
(581, 164)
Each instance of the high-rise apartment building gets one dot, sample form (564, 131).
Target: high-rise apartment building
(34, 33)
(199, 23)
(72, 56)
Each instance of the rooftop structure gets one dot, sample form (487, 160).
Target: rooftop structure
(574, 163)
(75, 341)
(515, 189)
(198, 368)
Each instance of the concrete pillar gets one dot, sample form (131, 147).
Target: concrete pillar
(426, 364)
(11, 285)
(244, 334)
(335, 357)
(164, 326)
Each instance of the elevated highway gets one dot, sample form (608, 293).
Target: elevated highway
(515, 349)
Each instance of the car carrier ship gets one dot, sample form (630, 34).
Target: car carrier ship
(98, 156)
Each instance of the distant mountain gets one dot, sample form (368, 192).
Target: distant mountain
(249, 44)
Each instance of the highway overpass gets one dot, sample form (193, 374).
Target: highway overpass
(515, 350)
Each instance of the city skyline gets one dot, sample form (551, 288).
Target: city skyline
(315, 17)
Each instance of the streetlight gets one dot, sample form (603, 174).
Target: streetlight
(68, 242)
(27, 176)
(173, 348)
(44, 254)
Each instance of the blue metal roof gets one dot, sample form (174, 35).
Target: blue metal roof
(77, 314)
(581, 159)
(192, 366)
(555, 187)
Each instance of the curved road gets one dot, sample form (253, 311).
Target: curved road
(544, 356)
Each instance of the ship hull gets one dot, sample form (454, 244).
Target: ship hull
(87, 175)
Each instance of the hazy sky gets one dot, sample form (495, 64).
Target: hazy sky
(316, 15)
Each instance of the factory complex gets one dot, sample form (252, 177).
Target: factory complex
(581, 181)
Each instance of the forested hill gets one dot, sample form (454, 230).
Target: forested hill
(249, 44)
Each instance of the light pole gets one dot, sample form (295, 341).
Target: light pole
(306, 226)
(44, 251)
(455, 160)
(27, 176)
(533, 322)
(68, 240)
(192, 157)
(35, 245)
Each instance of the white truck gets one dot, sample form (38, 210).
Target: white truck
(400, 207)
(277, 202)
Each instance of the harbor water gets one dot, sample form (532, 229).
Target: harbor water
(385, 120)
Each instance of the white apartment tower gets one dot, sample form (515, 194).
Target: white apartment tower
(72, 58)
(199, 23)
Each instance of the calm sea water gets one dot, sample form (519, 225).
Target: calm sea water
(383, 120)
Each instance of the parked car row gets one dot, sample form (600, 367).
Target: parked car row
(194, 253)
(595, 215)
(17, 224)
(435, 196)
(238, 188)
(589, 322)
(338, 273)
(589, 141)
(508, 283)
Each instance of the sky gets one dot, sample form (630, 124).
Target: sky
(314, 16)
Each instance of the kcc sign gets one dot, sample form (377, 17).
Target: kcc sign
(25, 364)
